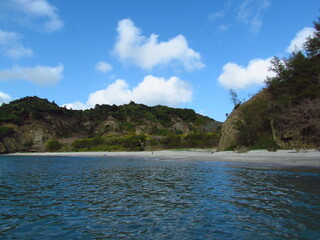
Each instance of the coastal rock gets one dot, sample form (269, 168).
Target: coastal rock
(294, 127)
(229, 132)
(2, 148)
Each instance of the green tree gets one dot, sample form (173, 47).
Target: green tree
(312, 45)
(53, 145)
(297, 76)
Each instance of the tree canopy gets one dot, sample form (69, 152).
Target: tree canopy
(290, 109)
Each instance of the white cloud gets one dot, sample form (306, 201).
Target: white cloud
(40, 74)
(4, 98)
(147, 52)
(250, 13)
(11, 47)
(300, 39)
(235, 76)
(40, 10)
(116, 93)
(150, 91)
(153, 91)
(103, 67)
(76, 106)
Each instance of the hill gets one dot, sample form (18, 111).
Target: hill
(35, 124)
(286, 113)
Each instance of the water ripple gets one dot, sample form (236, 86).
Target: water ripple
(98, 198)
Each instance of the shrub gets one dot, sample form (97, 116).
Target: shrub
(53, 146)
(201, 140)
(254, 123)
(112, 143)
(87, 143)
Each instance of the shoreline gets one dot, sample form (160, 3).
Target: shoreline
(280, 158)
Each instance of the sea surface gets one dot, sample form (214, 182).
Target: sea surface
(114, 198)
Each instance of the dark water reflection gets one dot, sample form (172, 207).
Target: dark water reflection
(98, 198)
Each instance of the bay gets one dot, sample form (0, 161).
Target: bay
(131, 198)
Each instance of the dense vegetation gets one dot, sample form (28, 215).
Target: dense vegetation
(144, 142)
(19, 110)
(287, 114)
(33, 122)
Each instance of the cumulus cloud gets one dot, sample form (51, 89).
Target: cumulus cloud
(235, 76)
(151, 91)
(75, 106)
(147, 52)
(250, 13)
(116, 93)
(40, 74)
(41, 11)
(300, 39)
(4, 98)
(11, 47)
(103, 67)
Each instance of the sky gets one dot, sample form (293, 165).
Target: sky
(181, 53)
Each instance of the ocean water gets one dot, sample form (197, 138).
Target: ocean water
(114, 198)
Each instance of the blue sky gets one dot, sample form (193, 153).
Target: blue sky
(182, 53)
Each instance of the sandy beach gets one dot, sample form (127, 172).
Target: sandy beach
(280, 158)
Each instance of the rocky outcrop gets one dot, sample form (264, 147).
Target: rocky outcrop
(295, 127)
(229, 132)
(29, 137)
(108, 127)
(2, 148)
(181, 127)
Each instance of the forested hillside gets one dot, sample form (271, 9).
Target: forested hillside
(35, 124)
(286, 114)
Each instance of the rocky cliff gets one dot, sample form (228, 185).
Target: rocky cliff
(230, 128)
(258, 124)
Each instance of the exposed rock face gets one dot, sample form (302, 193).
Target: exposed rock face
(181, 127)
(29, 137)
(2, 148)
(296, 127)
(108, 127)
(229, 132)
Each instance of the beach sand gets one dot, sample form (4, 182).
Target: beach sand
(280, 158)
